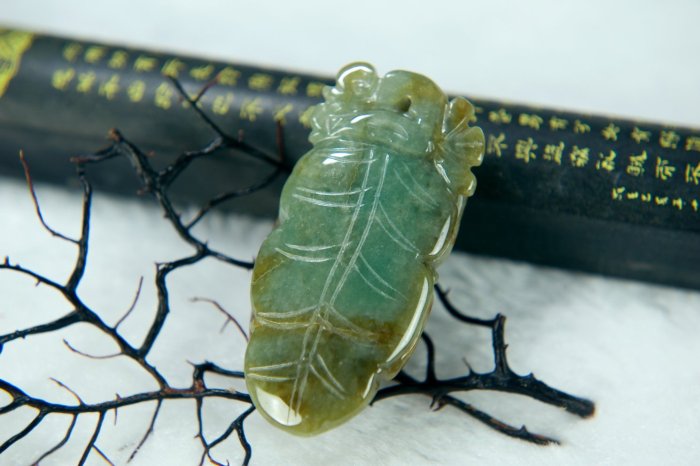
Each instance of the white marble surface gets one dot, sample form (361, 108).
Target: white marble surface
(631, 347)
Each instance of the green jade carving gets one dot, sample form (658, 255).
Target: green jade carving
(342, 287)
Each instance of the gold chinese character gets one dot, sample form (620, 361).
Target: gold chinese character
(532, 121)
(557, 123)
(144, 64)
(251, 109)
(579, 156)
(173, 67)
(305, 117)
(617, 193)
(71, 51)
(496, 145)
(646, 197)
(85, 82)
(260, 81)
(669, 139)
(500, 116)
(61, 78)
(118, 59)
(314, 89)
(94, 53)
(228, 76)
(692, 143)
(280, 113)
(660, 200)
(664, 170)
(692, 174)
(694, 203)
(678, 203)
(610, 132)
(136, 90)
(222, 103)
(202, 73)
(606, 162)
(164, 94)
(288, 86)
(553, 152)
(109, 88)
(477, 111)
(632, 195)
(524, 150)
(581, 128)
(636, 165)
(639, 135)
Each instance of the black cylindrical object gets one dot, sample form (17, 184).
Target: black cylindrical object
(571, 190)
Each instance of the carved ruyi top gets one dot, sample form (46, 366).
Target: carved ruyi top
(407, 112)
(342, 287)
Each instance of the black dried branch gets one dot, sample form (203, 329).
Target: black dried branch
(229, 317)
(149, 431)
(157, 184)
(37, 208)
(60, 444)
(237, 143)
(132, 306)
(501, 379)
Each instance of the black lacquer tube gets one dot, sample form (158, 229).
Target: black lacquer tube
(578, 191)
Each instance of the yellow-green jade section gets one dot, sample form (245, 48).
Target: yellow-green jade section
(342, 287)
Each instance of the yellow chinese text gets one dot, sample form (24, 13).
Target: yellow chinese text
(144, 64)
(222, 103)
(636, 164)
(579, 156)
(640, 136)
(85, 82)
(173, 67)
(202, 73)
(118, 59)
(524, 150)
(606, 162)
(260, 81)
(136, 90)
(500, 116)
(251, 109)
(71, 51)
(496, 144)
(288, 85)
(610, 132)
(62, 78)
(669, 139)
(529, 120)
(163, 96)
(228, 76)
(109, 88)
(553, 152)
(581, 127)
(556, 123)
(664, 170)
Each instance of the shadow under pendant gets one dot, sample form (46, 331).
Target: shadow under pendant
(342, 287)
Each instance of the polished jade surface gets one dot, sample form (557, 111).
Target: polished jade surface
(342, 287)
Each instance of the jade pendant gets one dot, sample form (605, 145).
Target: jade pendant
(342, 287)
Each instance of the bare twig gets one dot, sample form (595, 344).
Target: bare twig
(37, 209)
(220, 308)
(133, 304)
(502, 379)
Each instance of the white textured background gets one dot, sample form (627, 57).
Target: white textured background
(630, 347)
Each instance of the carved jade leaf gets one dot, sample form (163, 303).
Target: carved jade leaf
(342, 287)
